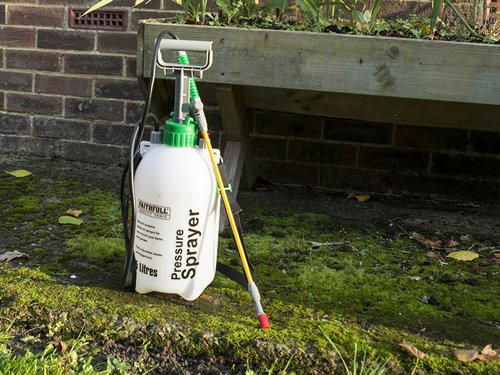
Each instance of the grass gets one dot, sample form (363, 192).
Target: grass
(340, 307)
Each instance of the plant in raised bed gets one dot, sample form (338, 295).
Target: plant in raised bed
(343, 16)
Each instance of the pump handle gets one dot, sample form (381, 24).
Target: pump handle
(185, 45)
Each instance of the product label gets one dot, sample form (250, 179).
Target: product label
(144, 234)
(186, 249)
(153, 210)
(146, 270)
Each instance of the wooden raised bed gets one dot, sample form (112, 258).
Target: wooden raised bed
(406, 81)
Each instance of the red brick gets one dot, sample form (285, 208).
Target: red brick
(427, 138)
(393, 159)
(36, 16)
(60, 128)
(90, 153)
(117, 42)
(2, 14)
(111, 134)
(358, 131)
(446, 187)
(353, 179)
(93, 64)
(274, 123)
(131, 66)
(66, 40)
(269, 148)
(18, 124)
(84, 3)
(486, 142)
(29, 145)
(35, 104)
(288, 172)
(323, 153)
(118, 89)
(466, 165)
(111, 110)
(33, 60)
(133, 112)
(63, 85)
(17, 36)
(15, 81)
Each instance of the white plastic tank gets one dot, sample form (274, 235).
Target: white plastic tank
(177, 216)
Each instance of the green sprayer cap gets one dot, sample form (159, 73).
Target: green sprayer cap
(180, 135)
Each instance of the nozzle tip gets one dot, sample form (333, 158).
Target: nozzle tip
(264, 322)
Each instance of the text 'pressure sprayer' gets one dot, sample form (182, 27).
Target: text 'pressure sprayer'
(172, 240)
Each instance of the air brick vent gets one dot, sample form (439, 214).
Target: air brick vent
(115, 20)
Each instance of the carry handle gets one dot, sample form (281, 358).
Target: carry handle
(185, 45)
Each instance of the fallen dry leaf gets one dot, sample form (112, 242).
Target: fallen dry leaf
(411, 350)
(488, 354)
(435, 244)
(496, 255)
(19, 173)
(9, 255)
(74, 213)
(360, 197)
(495, 260)
(465, 355)
(452, 243)
(488, 350)
(433, 255)
(463, 255)
(59, 345)
(466, 238)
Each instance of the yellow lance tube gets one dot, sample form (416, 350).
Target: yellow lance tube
(252, 287)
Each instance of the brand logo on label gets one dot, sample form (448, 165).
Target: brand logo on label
(159, 212)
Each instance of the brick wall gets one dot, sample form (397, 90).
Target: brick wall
(66, 92)
(73, 94)
(349, 155)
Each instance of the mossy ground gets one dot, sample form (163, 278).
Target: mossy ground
(372, 288)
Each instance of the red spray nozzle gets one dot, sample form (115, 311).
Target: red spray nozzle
(264, 322)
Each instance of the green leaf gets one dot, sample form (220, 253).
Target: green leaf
(367, 15)
(436, 12)
(463, 255)
(19, 173)
(70, 220)
(100, 4)
(357, 16)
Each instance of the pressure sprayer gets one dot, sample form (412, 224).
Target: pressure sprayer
(174, 190)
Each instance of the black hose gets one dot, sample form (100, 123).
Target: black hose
(127, 199)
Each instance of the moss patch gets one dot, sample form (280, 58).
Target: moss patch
(365, 288)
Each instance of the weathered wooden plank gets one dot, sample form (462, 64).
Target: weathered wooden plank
(377, 66)
(233, 113)
(376, 108)
(236, 151)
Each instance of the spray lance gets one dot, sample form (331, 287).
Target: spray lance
(199, 114)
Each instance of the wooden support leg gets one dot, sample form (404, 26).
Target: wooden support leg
(237, 151)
